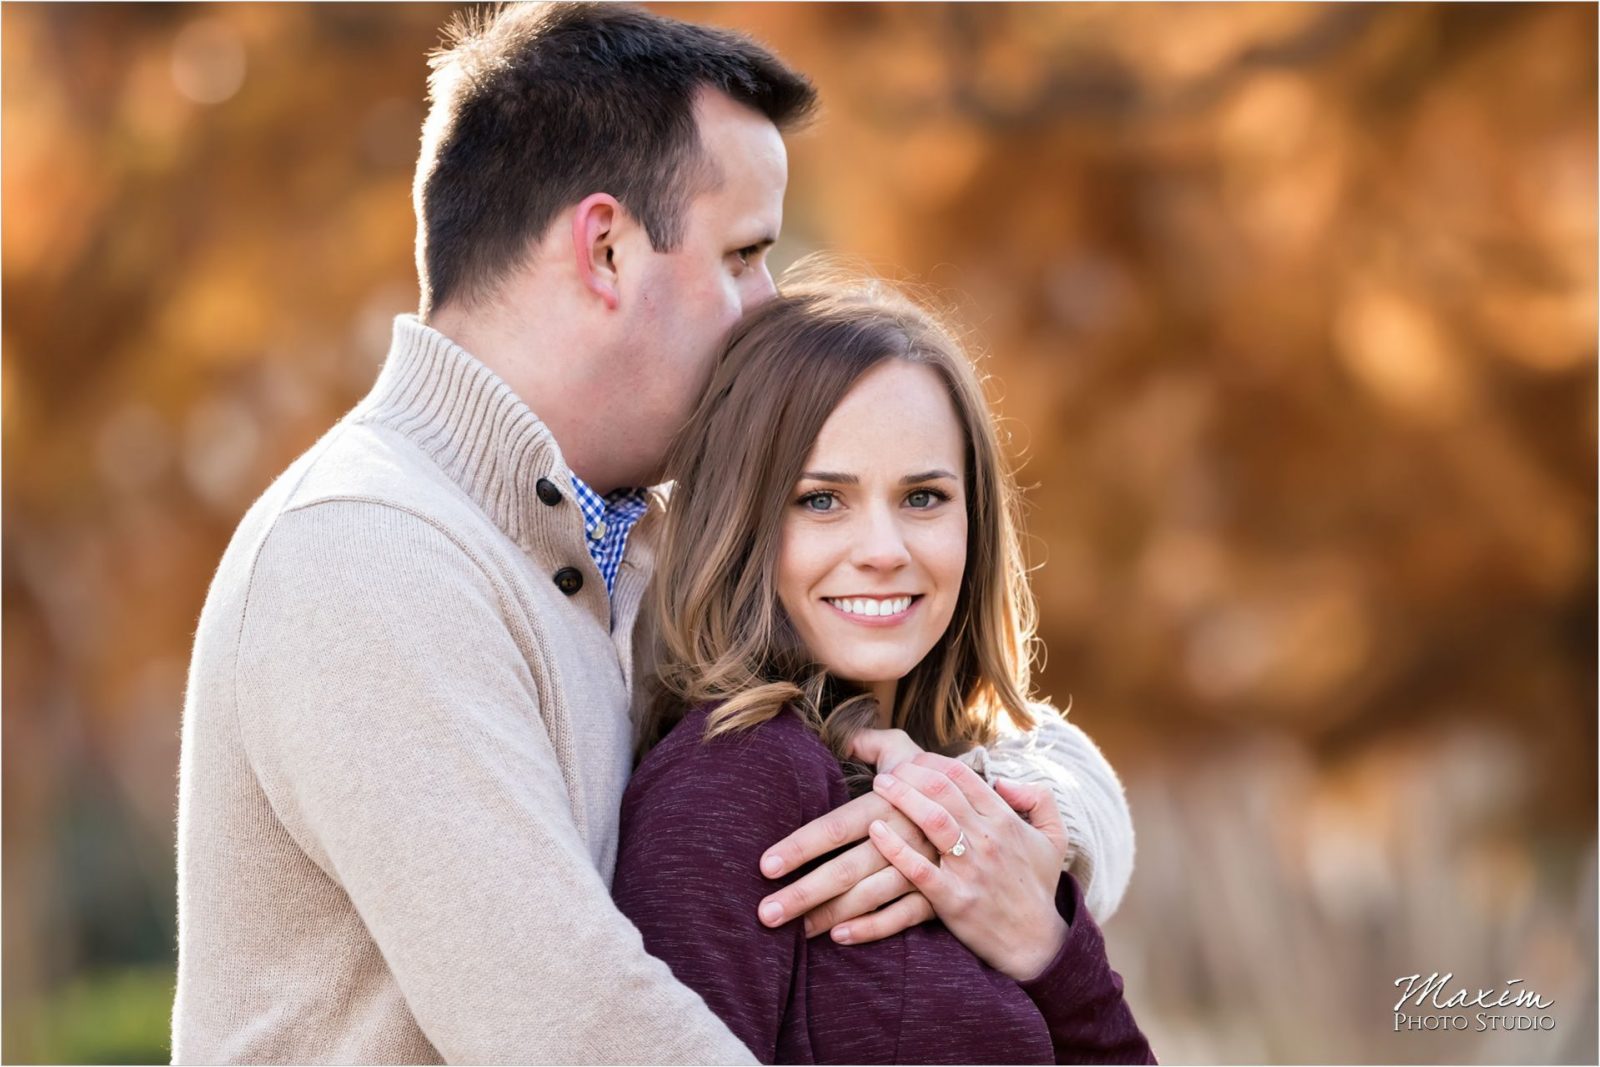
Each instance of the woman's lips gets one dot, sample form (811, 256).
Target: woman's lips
(873, 620)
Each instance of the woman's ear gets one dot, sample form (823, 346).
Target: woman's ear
(594, 230)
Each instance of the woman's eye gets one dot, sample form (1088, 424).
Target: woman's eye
(817, 501)
(925, 498)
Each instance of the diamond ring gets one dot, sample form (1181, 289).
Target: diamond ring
(959, 847)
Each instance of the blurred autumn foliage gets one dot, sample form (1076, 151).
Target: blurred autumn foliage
(1291, 314)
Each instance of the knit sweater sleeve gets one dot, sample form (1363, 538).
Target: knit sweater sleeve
(390, 715)
(1088, 793)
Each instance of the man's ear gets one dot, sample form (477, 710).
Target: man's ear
(594, 231)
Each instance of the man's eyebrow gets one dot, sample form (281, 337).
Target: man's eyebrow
(764, 242)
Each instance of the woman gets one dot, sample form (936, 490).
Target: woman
(840, 553)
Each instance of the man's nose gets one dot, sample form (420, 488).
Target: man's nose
(762, 288)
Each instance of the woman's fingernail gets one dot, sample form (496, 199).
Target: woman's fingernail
(841, 934)
(771, 863)
(879, 826)
(771, 912)
(883, 781)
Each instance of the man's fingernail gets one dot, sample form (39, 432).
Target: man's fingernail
(771, 863)
(841, 934)
(771, 912)
(811, 929)
(883, 781)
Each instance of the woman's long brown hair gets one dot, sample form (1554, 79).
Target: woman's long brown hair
(720, 633)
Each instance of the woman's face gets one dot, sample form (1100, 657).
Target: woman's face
(874, 538)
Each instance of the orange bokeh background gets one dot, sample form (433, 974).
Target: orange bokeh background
(1290, 312)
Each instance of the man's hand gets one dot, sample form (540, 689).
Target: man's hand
(884, 749)
(998, 895)
(850, 884)
(860, 880)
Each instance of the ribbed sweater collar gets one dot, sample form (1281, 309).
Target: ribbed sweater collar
(466, 419)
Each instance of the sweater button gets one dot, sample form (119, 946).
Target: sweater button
(547, 492)
(569, 580)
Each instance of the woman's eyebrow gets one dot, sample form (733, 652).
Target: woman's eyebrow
(830, 476)
(836, 478)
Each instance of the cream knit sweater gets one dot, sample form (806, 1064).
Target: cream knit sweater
(404, 748)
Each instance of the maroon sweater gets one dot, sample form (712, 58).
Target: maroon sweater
(695, 821)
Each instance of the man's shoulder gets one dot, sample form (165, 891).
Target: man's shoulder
(375, 474)
(357, 461)
(357, 490)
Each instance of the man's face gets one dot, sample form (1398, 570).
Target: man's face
(682, 303)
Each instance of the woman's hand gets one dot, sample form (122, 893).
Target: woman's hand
(998, 895)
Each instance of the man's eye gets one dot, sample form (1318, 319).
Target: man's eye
(747, 253)
(817, 501)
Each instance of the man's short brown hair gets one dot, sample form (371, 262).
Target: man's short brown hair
(535, 107)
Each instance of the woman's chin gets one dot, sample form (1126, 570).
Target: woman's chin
(868, 676)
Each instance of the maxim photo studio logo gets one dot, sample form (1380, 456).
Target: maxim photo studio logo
(1438, 1002)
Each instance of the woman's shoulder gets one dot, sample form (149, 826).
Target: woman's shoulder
(782, 756)
(783, 740)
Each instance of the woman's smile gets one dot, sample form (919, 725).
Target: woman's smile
(874, 610)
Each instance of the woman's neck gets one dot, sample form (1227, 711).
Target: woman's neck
(884, 691)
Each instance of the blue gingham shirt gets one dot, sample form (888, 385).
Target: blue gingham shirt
(606, 523)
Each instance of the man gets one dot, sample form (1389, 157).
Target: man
(407, 724)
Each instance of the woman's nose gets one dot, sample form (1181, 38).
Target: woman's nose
(880, 544)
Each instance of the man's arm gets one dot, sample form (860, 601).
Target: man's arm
(392, 718)
(1088, 793)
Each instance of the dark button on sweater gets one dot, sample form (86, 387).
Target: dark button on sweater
(569, 580)
(547, 492)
